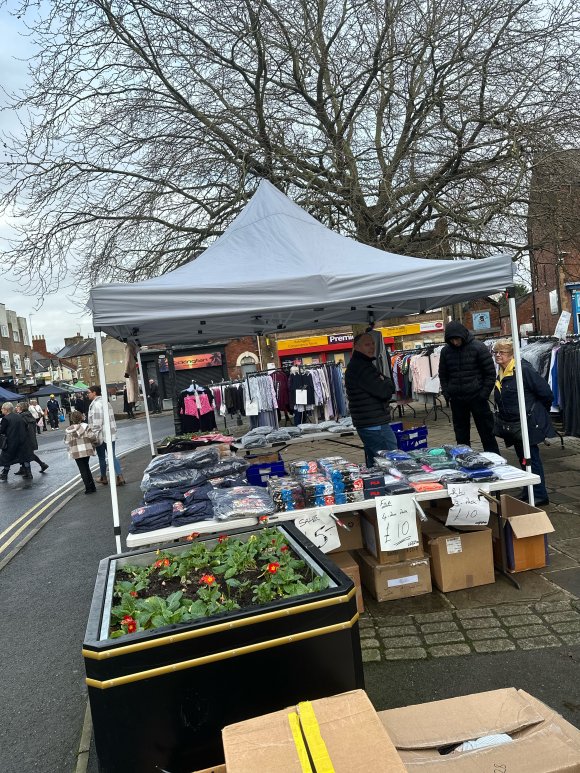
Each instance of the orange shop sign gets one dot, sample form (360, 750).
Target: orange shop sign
(191, 361)
(301, 343)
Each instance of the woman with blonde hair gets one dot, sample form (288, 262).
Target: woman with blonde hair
(538, 398)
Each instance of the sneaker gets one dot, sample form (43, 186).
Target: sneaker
(43, 467)
(21, 471)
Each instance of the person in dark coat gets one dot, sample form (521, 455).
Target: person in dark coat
(24, 410)
(368, 393)
(53, 408)
(17, 447)
(538, 397)
(78, 403)
(154, 396)
(467, 376)
(127, 406)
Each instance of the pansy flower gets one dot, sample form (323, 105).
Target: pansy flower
(207, 579)
(273, 567)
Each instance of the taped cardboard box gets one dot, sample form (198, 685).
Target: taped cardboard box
(458, 559)
(386, 582)
(349, 540)
(341, 733)
(525, 532)
(428, 736)
(372, 542)
(347, 562)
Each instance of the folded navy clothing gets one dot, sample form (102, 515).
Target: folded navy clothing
(170, 494)
(153, 510)
(197, 493)
(196, 511)
(150, 517)
(182, 460)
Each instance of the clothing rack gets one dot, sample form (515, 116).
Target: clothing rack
(427, 351)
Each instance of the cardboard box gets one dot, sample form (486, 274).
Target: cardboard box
(542, 741)
(349, 540)
(341, 733)
(347, 562)
(215, 769)
(371, 541)
(458, 559)
(525, 530)
(394, 581)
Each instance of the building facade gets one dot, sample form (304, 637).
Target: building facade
(15, 351)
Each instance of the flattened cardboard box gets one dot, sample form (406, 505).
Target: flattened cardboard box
(458, 559)
(355, 739)
(349, 540)
(372, 542)
(542, 741)
(347, 562)
(525, 531)
(394, 581)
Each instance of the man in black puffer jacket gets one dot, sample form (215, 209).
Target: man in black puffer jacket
(467, 375)
(368, 393)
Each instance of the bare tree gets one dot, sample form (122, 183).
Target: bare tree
(148, 123)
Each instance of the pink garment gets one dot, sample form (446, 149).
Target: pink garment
(196, 405)
(217, 397)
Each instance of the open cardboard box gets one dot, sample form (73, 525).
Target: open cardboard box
(341, 733)
(525, 532)
(372, 541)
(426, 735)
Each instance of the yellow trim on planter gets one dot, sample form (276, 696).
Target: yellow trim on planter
(178, 637)
(216, 657)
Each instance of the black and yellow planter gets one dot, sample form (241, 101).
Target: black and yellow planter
(160, 698)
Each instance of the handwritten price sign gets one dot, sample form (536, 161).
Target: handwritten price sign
(397, 522)
(469, 508)
(320, 528)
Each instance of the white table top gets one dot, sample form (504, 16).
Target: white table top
(221, 527)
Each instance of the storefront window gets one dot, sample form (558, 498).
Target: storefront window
(247, 365)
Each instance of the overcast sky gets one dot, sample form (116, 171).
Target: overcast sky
(58, 316)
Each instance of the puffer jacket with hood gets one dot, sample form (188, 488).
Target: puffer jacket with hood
(368, 392)
(81, 440)
(466, 372)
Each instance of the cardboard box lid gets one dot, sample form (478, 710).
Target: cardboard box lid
(355, 739)
(446, 722)
(530, 524)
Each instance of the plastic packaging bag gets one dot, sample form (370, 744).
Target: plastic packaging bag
(187, 477)
(473, 461)
(183, 460)
(240, 502)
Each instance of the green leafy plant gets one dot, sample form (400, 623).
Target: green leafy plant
(202, 582)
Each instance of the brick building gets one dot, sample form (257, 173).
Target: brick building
(49, 368)
(15, 351)
(554, 237)
(82, 352)
(524, 313)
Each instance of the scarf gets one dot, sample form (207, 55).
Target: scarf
(509, 371)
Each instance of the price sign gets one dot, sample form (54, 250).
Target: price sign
(469, 508)
(397, 522)
(320, 528)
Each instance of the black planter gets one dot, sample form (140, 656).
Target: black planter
(160, 698)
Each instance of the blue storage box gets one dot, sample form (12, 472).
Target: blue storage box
(259, 474)
(410, 439)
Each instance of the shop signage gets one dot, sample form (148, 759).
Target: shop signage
(345, 338)
(431, 327)
(481, 320)
(397, 522)
(191, 361)
(400, 330)
(301, 343)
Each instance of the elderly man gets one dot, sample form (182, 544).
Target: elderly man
(15, 443)
(368, 394)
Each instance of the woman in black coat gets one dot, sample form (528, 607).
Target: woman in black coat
(17, 446)
(538, 397)
(23, 410)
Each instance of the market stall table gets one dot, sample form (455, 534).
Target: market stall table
(307, 437)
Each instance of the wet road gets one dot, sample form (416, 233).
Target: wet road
(26, 505)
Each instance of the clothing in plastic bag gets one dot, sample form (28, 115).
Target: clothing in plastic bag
(240, 502)
(473, 461)
(183, 460)
(278, 436)
(172, 478)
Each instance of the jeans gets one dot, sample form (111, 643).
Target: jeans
(374, 440)
(462, 410)
(540, 491)
(102, 454)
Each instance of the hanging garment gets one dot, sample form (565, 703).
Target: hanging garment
(195, 409)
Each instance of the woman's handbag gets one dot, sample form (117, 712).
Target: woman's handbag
(508, 430)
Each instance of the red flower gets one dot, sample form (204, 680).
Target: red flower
(273, 567)
(222, 538)
(263, 519)
(129, 623)
(207, 579)
(162, 562)
(192, 536)
(133, 593)
(284, 548)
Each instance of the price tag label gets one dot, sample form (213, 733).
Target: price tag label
(301, 397)
(320, 528)
(397, 522)
(469, 508)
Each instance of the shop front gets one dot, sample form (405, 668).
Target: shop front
(313, 350)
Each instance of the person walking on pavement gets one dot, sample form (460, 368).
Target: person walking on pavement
(368, 393)
(81, 440)
(24, 410)
(467, 376)
(154, 395)
(538, 397)
(38, 414)
(53, 408)
(96, 418)
(127, 406)
(16, 446)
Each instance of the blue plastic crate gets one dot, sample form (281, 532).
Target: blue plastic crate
(259, 474)
(410, 439)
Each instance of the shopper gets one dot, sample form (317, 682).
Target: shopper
(38, 414)
(368, 393)
(53, 408)
(154, 396)
(128, 407)
(16, 447)
(538, 397)
(467, 376)
(96, 417)
(23, 409)
(81, 441)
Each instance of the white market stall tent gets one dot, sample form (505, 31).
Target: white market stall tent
(276, 268)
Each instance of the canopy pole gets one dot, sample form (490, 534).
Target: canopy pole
(145, 402)
(108, 441)
(526, 461)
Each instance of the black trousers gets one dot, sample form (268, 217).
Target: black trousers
(462, 411)
(86, 474)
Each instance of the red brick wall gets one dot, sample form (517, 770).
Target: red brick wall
(524, 313)
(548, 275)
(240, 345)
(478, 305)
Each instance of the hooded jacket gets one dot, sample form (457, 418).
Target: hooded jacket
(80, 440)
(368, 392)
(466, 372)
